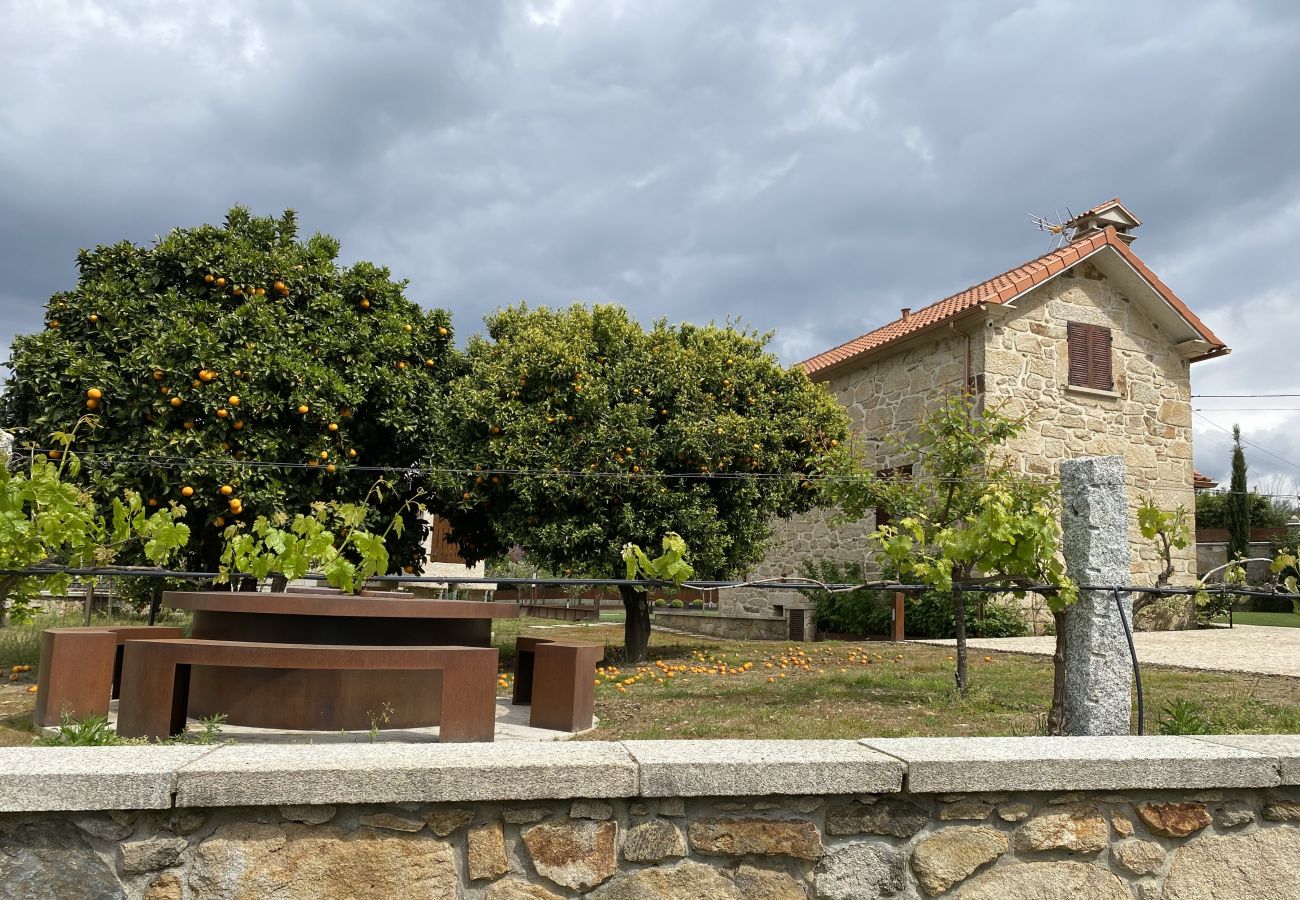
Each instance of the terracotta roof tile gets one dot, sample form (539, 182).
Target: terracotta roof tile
(1000, 289)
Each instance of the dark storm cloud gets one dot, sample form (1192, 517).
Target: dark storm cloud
(810, 167)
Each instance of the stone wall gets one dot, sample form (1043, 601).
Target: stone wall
(1147, 419)
(1078, 818)
(1019, 359)
(732, 628)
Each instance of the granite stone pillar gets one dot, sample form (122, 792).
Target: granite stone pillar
(1098, 670)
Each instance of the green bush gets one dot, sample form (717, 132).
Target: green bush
(927, 615)
(678, 604)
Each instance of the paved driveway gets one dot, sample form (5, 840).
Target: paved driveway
(1245, 648)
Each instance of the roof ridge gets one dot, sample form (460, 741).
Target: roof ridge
(999, 289)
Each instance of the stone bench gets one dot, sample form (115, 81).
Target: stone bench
(558, 678)
(155, 679)
(81, 669)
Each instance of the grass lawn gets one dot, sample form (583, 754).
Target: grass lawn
(695, 687)
(853, 690)
(1273, 619)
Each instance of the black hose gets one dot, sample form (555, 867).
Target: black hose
(1137, 670)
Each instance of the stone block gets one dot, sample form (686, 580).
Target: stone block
(1046, 881)
(737, 836)
(1106, 763)
(149, 855)
(34, 779)
(951, 855)
(860, 870)
(485, 852)
(737, 768)
(395, 773)
(1254, 866)
(1285, 748)
(574, 854)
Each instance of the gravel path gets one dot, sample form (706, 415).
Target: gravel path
(1245, 648)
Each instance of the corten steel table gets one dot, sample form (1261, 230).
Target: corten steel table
(321, 699)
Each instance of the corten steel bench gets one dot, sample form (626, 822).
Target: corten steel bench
(156, 674)
(81, 668)
(558, 679)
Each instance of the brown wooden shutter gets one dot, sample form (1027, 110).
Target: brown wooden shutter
(440, 548)
(1089, 349)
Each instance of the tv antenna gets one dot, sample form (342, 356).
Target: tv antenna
(1057, 227)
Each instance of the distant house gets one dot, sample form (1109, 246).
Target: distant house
(1085, 341)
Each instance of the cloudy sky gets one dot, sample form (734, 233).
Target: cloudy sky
(807, 167)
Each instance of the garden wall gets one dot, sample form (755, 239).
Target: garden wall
(733, 628)
(971, 818)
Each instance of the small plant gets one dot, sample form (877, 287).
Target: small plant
(1183, 716)
(316, 542)
(670, 566)
(208, 733)
(677, 604)
(379, 719)
(1286, 569)
(92, 731)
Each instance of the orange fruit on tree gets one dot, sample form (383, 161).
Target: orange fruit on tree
(188, 425)
(442, 332)
(219, 521)
(153, 501)
(324, 454)
(226, 490)
(238, 292)
(313, 463)
(364, 304)
(233, 400)
(429, 363)
(221, 413)
(221, 282)
(235, 504)
(261, 292)
(209, 278)
(330, 468)
(157, 374)
(407, 328)
(279, 286)
(195, 383)
(333, 426)
(238, 424)
(93, 318)
(94, 393)
(352, 453)
(92, 403)
(187, 491)
(401, 364)
(303, 408)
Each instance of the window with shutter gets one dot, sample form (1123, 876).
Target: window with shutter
(1090, 356)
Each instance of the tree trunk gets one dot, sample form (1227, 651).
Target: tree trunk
(1056, 716)
(6, 585)
(959, 626)
(636, 630)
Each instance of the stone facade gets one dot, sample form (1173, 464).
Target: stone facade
(1017, 359)
(1171, 845)
(732, 628)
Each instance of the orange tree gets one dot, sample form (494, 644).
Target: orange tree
(217, 349)
(574, 432)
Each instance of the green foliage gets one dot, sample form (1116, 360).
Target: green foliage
(626, 434)
(46, 521)
(968, 513)
(1169, 529)
(1211, 510)
(239, 326)
(1236, 511)
(931, 615)
(1286, 569)
(670, 566)
(1210, 605)
(861, 611)
(330, 540)
(1183, 716)
(92, 731)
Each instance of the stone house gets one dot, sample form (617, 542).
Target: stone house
(1085, 341)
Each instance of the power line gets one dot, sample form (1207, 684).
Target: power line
(1263, 450)
(1240, 396)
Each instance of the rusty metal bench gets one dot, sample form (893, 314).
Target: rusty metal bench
(558, 679)
(155, 679)
(81, 669)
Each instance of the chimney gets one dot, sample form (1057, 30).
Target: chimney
(907, 313)
(1113, 213)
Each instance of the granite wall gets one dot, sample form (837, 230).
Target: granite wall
(1076, 818)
